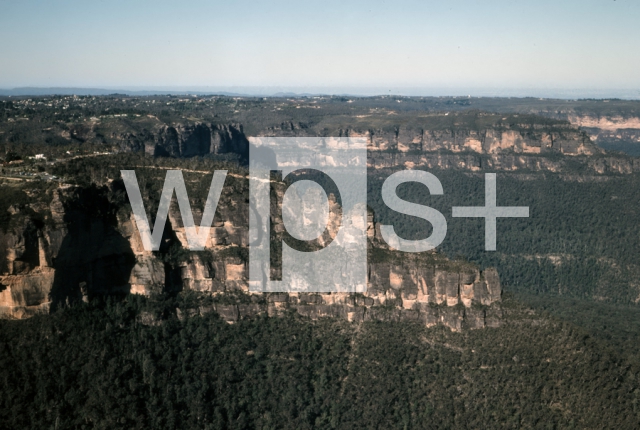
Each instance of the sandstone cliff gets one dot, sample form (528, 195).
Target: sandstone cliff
(84, 243)
(529, 147)
(186, 140)
(611, 131)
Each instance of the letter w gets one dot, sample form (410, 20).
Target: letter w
(196, 237)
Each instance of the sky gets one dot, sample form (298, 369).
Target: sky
(485, 45)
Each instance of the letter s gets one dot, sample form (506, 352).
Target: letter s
(431, 215)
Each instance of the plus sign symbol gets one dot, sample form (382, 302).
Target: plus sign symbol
(490, 212)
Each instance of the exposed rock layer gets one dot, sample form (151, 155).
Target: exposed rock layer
(499, 148)
(91, 246)
(187, 140)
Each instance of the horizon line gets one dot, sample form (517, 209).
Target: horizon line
(315, 91)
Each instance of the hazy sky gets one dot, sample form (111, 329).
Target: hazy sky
(455, 43)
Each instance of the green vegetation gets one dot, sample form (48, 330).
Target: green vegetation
(56, 124)
(571, 362)
(98, 366)
(616, 324)
(580, 240)
(18, 197)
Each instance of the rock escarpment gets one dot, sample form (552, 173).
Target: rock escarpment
(502, 162)
(62, 252)
(525, 138)
(510, 148)
(611, 132)
(186, 140)
(355, 308)
(528, 139)
(199, 138)
(84, 243)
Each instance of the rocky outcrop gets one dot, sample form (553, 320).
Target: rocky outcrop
(600, 164)
(75, 253)
(88, 245)
(610, 123)
(502, 146)
(610, 131)
(186, 140)
(411, 283)
(612, 164)
(414, 286)
(521, 139)
(525, 138)
(353, 308)
(25, 295)
(454, 297)
(508, 148)
(199, 138)
(26, 277)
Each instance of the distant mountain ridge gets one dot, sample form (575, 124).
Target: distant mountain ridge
(67, 91)
(308, 91)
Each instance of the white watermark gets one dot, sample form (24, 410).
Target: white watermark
(196, 237)
(490, 212)
(308, 213)
(320, 211)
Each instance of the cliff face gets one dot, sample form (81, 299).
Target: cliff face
(89, 245)
(532, 140)
(354, 308)
(516, 138)
(503, 161)
(186, 140)
(501, 148)
(76, 253)
(25, 266)
(611, 123)
(83, 242)
(610, 131)
(198, 138)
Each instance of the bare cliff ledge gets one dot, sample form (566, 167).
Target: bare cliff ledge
(77, 243)
(82, 242)
(201, 138)
(510, 148)
(186, 140)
